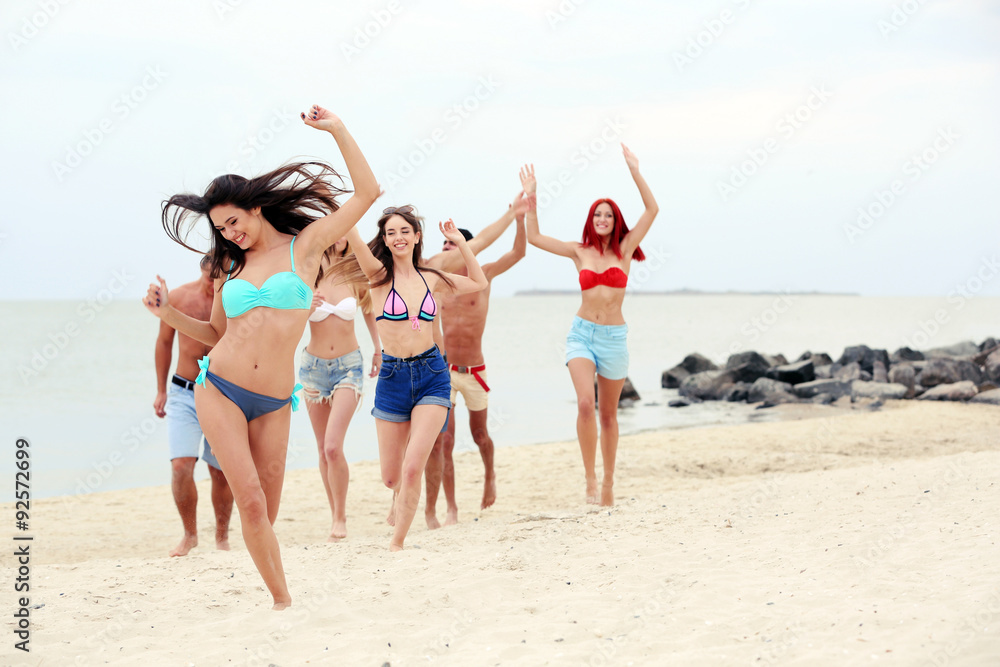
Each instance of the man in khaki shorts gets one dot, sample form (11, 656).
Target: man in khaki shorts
(463, 320)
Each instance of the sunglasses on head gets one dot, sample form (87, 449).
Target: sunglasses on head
(402, 209)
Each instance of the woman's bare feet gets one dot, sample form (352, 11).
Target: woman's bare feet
(391, 519)
(339, 530)
(432, 521)
(187, 543)
(222, 545)
(451, 518)
(592, 490)
(607, 494)
(283, 604)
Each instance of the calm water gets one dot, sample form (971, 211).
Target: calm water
(78, 380)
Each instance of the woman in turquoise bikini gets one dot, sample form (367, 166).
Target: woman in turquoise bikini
(269, 231)
(596, 344)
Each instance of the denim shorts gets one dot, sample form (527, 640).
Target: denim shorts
(604, 344)
(183, 430)
(404, 384)
(321, 377)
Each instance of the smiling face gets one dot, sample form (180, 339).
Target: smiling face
(399, 236)
(604, 219)
(236, 224)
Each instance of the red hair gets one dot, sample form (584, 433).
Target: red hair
(591, 239)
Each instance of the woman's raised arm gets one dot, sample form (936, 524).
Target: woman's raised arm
(637, 233)
(535, 237)
(324, 232)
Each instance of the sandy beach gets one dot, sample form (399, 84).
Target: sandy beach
(831, 538)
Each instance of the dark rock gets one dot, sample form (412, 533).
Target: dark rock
(969, 371)
(762, 388)
(778, 398)
(905, 375)
(822, 399)
(818, 358)
(964, 349)
(991, 396)
(987, 386)
(865, 375)
(878, 390)
(957, 391)
(800, 371)
(864, 356)
(679, 403)
(823, 372)
(775, 360)
(629, 394)
(835, 388)
(906, 354)
(988, 344)
(848, 372)
(747, 366)
(693, 363)
(736, 393)
(993, 366)
(879, 373)
(940, 370)
(707, 385)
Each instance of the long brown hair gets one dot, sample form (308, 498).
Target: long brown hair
(290, 197)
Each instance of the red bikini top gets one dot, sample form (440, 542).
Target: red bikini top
(613, 277)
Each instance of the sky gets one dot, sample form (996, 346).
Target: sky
(833, 146)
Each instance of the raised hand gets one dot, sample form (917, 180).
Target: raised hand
(320, 118)
(450, 231)
(630, 159)
(528, 179)
(157, 299)
(520, 205)
(317, 302)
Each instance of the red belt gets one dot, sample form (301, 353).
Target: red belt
(475, 371)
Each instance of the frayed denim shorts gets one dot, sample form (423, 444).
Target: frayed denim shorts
(321, 377)
(604, 344)
(404, 384)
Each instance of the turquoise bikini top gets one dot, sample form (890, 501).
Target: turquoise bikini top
(284, 291)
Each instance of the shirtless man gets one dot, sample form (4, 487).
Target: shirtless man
(183, 431)
(463, 320)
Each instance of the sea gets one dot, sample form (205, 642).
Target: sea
(77, 379)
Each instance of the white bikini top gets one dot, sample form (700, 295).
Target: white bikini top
(345, 310)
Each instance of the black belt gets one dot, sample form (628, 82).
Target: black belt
(181, 382)
(423, 355)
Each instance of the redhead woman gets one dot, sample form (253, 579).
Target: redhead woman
(332, 371)
(413, 394)
(268, 235)
(596, 344)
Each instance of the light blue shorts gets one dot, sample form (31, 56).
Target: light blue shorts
(321, 377)
(603, 344)
(183, 430)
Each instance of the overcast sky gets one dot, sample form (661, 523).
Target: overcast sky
(843, 146)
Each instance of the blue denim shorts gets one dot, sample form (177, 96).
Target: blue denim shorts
(321, 377)
(404, 384)
(183, 430)
(604, 344)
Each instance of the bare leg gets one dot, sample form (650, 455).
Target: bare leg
(477, 424)
(319, 417)
(582, 372)
(222, 503)
(345, 401)
(608, 393)
(392, 437)
(186, 499)
(432, 482)
(426, 422)
(448, 471)
(252, 457)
